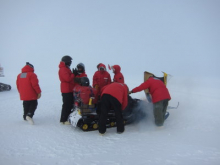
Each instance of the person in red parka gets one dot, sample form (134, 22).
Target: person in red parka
(118, 77)
(160, 97)
(66, 85)
(114, 95)
(101, 78)
(79, 72)
(29, 90)
(83, 92)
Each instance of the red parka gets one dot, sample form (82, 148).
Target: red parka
(83, 93)
(118, 77)
(156, 87)
(66, 78)
(101, 78)
(28, 84)
(119, 91)
(82, 75)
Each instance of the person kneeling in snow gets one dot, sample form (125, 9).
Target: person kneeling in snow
(114, 95)
(160, 97)
(29, 90)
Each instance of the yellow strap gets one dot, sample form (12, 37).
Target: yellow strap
(165, 78)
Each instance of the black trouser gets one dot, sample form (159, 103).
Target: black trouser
(67, 106)
(108, 101)
(160, 109)
(29, 108)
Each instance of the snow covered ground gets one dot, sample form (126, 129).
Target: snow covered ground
(190, 135)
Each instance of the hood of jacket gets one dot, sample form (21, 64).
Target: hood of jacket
(27, 68)
(62, 64)
(117, 68)
(101, 65)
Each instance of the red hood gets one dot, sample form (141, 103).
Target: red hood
(26, 69)
(102, 65)
(117, 68)
(99, 64)
(62, 64)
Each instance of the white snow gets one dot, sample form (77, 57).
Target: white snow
(190, 134)
(181, 38)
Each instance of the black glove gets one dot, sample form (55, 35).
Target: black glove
(75, 72)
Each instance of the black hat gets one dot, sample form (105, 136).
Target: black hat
(32, 66)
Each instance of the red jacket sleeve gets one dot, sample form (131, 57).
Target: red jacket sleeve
(35, 84)
(125, 98)
(95, 81)
(17, 82)
(141, 87)
(66, 76)
(157, 89)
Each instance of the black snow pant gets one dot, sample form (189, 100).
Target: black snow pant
(108, 101)
(160, 109)
(29, 108)
(67, 106)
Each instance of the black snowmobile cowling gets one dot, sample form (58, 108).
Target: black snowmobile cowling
(5, 87)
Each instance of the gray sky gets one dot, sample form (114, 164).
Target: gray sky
(181, 38)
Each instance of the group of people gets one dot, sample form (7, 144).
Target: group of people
(110, 94)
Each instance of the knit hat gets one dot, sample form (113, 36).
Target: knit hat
(32, 66)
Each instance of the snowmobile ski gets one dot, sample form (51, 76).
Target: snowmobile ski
(169, 107)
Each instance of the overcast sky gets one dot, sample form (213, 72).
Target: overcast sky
(178, 37)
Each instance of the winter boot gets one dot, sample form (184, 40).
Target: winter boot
(30, 120)
(66, 123)
(119, 132)
(101, 134)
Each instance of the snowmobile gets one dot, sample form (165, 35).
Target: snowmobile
(5, 87)
(86, 116)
